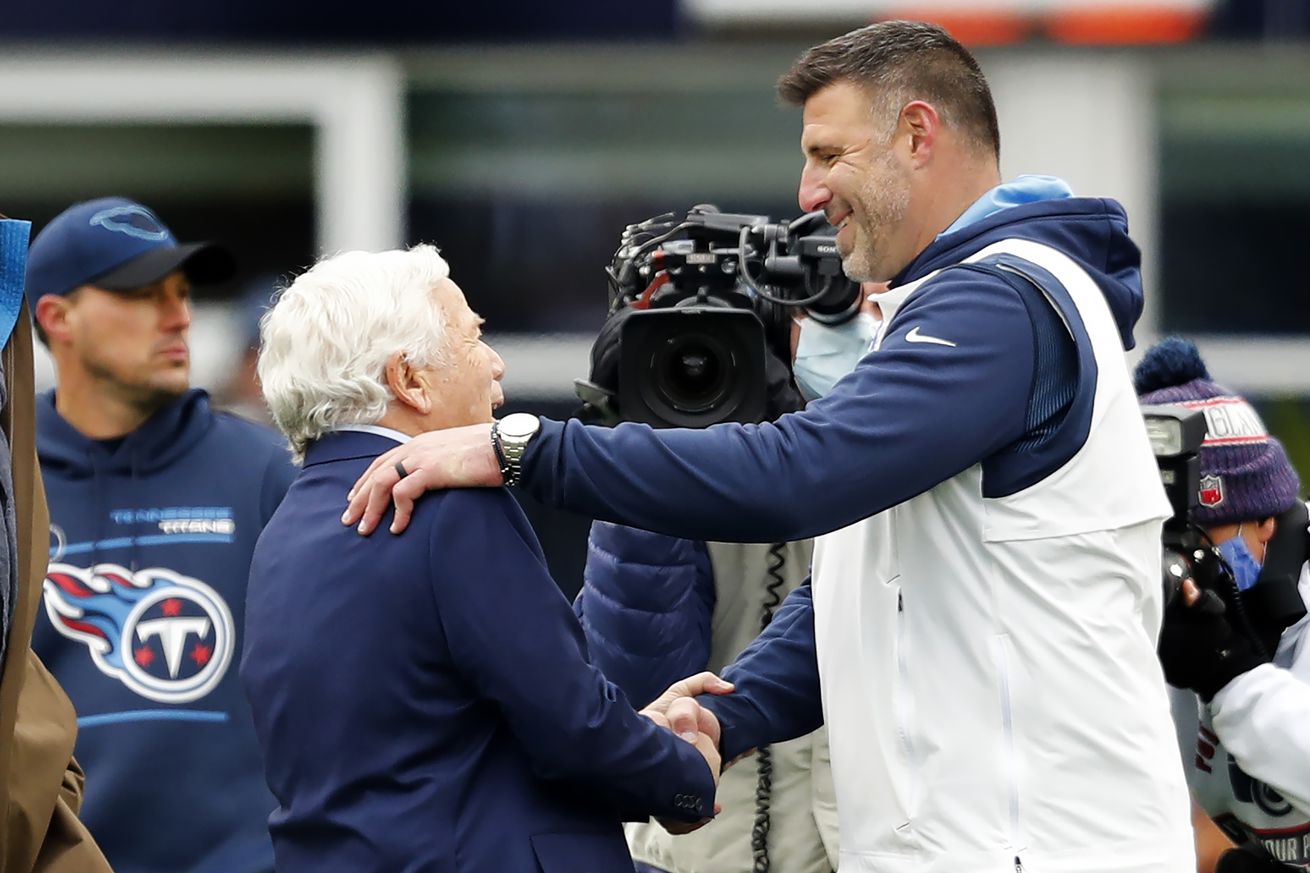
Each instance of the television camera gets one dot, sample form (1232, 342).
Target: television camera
(705, 295)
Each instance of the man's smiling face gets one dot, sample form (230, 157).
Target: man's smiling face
(852, 173)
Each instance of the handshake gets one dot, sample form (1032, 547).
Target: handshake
(678, 710)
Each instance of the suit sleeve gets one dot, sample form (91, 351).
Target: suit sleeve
(949, 386)
(777, 677)
(515, 639)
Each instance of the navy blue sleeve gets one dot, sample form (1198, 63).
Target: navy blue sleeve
(777, 677)
(949, 386)
(516, 641)
(646, 605)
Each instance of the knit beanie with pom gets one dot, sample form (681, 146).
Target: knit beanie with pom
(1245, 473)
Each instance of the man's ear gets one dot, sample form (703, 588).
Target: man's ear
(406, 384)
(920, 121)
(51, 313)
(1266, 529)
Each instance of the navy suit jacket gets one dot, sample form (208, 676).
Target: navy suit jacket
(425, 702)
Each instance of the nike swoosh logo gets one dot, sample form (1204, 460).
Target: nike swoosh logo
(915, 337)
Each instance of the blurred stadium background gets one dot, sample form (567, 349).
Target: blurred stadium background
(521, 137)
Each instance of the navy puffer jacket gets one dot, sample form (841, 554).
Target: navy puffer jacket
(646, 604)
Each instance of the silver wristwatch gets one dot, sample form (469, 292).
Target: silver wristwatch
(509, 439)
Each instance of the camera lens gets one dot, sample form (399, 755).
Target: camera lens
(692, 366)
(691, 372)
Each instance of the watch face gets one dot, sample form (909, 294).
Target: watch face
(519, 425)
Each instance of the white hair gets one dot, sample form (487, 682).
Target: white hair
(325, 343)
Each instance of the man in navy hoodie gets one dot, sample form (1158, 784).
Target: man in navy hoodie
(427, 703)
(986, 599)
(155, 504)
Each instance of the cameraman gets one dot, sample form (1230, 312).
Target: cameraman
(658, 608)
(1250, 669)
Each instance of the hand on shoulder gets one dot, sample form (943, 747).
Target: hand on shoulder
(459, 457)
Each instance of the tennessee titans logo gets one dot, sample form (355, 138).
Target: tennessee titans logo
(132, 220)
(166, 636)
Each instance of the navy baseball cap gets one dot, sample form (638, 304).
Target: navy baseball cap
(116, 244)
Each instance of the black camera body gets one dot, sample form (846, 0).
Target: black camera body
(711, 295)
(1176, 435)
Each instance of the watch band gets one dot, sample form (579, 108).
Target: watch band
(505, 470)
(509, 439)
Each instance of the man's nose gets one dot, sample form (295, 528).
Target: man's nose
(813, 193)
(497, 364)
(175, 312)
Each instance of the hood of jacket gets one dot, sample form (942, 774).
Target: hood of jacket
(165, 436)
(1091, 230)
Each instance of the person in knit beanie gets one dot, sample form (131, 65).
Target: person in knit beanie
(1251, 768)
(1245, 474)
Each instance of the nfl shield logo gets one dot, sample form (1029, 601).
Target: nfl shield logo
(1212, 490)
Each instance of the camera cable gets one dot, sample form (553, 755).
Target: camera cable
(764, 755)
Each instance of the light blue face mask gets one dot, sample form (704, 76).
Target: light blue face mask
(826, 353)
(1246, 569)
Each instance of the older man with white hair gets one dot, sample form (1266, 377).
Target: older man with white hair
(426, 702)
